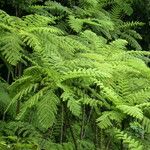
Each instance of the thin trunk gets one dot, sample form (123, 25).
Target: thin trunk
(62, 124)
(73, 137)
(18, 73)
(83, 124)
(71, 131)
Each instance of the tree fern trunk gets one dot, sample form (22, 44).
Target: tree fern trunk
(62, 124)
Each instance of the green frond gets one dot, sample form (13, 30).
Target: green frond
(119, 43)
(50, 29)
(88, 3)
(5, 98)
(106, 119)
(138, 97)
(143, 105)
(38, 20)
(74, 106)
(75, 23)
(127, 140)
(56, 7)
(131, 40)
(91, 102)
(126, 25)
(134, 34)
(24, 91)
(131, 111)
(31, 40)
(47, 109)
(146, 124)
(85, 73)
(32, 101)
(11, 48)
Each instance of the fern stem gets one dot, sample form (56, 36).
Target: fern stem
(108, 144)
(89, 117)
(71, 131)
(62, 124)
(83, 123)
(18, 73)
(121, 142)
(8, 77)
(96, 136)
(72, 134)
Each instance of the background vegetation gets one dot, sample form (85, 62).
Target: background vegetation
(74, 75)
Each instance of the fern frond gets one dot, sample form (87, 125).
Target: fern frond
(11, 48)
(131, 142)
(31, 40)
(91, 102)
(56, 7)
(50, 29)
(131, 41)
(86, 4)
(132, 111)
(33, 100)
(74, 106)
(138, 97)
(126, 25)
(134, 34)
(105, 120)
(38, 20)
(85, 73)
(146, 124)
(47, 109)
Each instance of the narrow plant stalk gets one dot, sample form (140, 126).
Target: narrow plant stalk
(83, 123)
(89, 117)
(8, 77)
(18, 73)
(73, 137)
(62, 123)
(101, 139)
(71, 130)
(121, 142)
(108, 144)
(96, 136)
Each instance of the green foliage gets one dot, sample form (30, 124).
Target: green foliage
(72, 79)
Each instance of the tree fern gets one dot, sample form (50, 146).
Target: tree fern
(77, 75)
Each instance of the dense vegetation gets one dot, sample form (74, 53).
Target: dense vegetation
(73, 75)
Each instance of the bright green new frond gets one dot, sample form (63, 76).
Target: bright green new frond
(91, 102)
(50, 29)
(31, 40)
(74, 106)
(38, 20)
(85, 73)
(75, 23)
(132, 111)
(119, 43)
